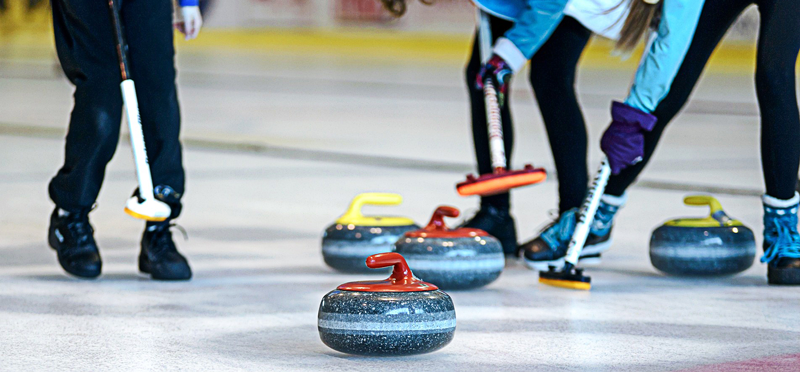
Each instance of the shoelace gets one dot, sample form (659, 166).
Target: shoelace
(560, 229)
(161, 242)
(79, 227)
(787, 244)
(604, 217)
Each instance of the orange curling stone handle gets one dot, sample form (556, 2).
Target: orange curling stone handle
(401, 280)
(438, 229)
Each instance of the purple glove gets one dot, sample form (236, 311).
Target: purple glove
(500, 72)
(623, 141)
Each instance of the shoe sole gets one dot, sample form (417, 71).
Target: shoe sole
(589, 256)
(144, 267)
(778, 276)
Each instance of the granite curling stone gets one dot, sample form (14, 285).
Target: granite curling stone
(463, 258)
(712, 246)
(401, 315)
(348, 242)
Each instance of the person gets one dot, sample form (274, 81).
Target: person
(87, 51)
(630, 147)
(535, 29)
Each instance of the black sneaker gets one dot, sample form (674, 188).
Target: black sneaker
(159, 256)
(497, 223)
(72, 237)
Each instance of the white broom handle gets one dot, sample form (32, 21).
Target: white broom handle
(137, 139)
(497, 146)
(587, 213)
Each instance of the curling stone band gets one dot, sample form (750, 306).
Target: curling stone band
(710, 246)
(425, 322)
(348, 242)
(397, 316)
(463, 258)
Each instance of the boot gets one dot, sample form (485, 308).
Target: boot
(72, 237)
(159, 256)
(499, 224)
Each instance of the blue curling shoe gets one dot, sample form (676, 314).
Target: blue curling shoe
(781, 240)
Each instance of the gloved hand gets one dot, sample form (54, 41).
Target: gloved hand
(623, 141)
(188, 21)
(500, 72)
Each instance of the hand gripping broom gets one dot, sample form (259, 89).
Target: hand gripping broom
(501, 179)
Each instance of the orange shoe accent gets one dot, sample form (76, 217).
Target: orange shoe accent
(143, 217)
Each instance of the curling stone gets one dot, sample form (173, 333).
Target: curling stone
(712, 246)
(463, 258)
(400, 315)
(348, 242)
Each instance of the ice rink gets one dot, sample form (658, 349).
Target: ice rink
(279, 139)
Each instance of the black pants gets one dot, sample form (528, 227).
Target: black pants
(778, 46)
(86, 48)
(553, 79)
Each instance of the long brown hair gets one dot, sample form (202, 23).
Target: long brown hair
(642, 16)
(398, 7)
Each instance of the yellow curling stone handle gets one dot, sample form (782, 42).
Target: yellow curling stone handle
(716, 218)
(703, 200)
(353, 215)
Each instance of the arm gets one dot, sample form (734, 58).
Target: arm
(665, 54)
(188, 19)
(533, 26)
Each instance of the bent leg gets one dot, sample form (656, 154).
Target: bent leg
(716, 18)
(553, 80)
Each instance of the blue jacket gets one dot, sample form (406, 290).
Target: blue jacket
(535, 21)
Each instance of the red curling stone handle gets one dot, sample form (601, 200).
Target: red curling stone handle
(437, 220)
(401, 273)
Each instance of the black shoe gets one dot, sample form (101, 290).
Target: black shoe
(72, 237)
(159, 256)
(497, 223)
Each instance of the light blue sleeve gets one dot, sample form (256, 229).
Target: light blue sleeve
(535, 24)
(665, 54)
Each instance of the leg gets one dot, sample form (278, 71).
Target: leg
(778, 46)
(89, 59)
(480, 133)
(717, 17)
(148, 27)
(494, 216)
(553, 80)
(152, 62)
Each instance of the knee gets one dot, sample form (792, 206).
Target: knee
(549, 81)
(98, 106)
